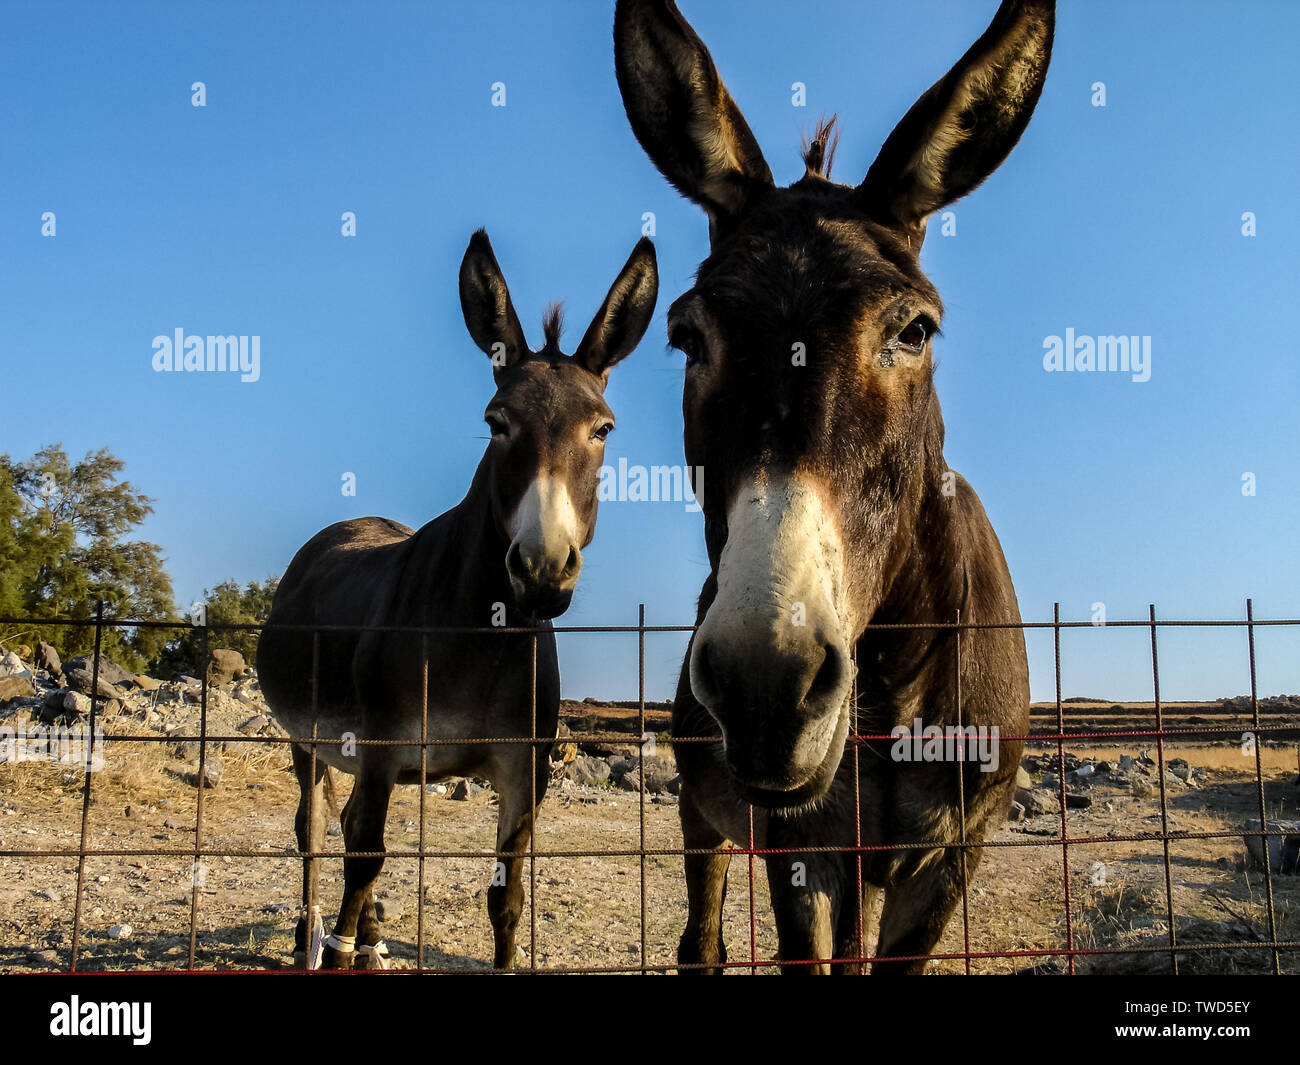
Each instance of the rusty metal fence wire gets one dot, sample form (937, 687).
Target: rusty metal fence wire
(1069, 949)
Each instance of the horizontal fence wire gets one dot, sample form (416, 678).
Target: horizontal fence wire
(1070, 950)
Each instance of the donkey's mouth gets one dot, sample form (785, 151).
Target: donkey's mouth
(802, 790)
(543, 606)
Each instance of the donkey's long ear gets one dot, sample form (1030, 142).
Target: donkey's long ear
(680, 111)
(485, 302)
(621, 321)
(959, 132)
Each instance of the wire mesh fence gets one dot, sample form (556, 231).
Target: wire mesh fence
(973, 944)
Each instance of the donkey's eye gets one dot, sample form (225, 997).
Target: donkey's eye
(915, 334)
(496, 423)
(603, 431)
(689, 342)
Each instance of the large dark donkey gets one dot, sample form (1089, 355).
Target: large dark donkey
(810, 402)
(507, 555)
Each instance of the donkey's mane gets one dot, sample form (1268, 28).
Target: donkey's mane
(553, 325)
(819, 153)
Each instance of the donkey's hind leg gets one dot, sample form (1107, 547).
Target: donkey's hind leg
(518, 809)
(363, 830)
(311, 807)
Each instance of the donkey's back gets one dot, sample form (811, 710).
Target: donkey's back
(343, 576)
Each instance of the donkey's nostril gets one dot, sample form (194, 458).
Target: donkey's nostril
(515, 564)
(573, 564)
(828, 679)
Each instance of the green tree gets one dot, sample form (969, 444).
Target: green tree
(64, 531)
(227, 604)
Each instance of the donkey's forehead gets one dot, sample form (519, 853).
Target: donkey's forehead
(550, 384)
(807, 251)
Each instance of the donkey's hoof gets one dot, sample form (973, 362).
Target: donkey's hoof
(372, 956)
(339, 952)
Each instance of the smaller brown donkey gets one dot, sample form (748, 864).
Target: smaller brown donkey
(507, 555)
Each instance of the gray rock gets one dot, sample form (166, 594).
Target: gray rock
(74, 702)
(587, 770)
(254, 724)
(619, 767)
(1051, 781)
(81, 680)
(1023, 779)
(465, 790)
(335, 830)
(1283, 850)
(109, 670)
(1125, 761)
(14, 688)
(50, 895)
(660, 777)
(1179, 768)
(388, 909)
(12, 666)
(1016, 813)
(1104, 767)
(1077, 801)
(120, 931)
(1036, 802)
(47, 658)
(212, 773)
(1141, 787)
(224, 666)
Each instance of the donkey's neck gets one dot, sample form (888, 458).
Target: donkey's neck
(926, 576)
(456, 574)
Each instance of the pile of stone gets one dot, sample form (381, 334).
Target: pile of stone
(39, 690)
(1136, 775)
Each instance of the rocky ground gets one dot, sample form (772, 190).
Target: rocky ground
(137, 904)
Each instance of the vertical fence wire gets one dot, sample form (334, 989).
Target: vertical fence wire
(641, 730)
(857, 823)
(532, 822)
(1259, 781)
(200, 785)
(1164, 796)
(1060, 768)
(424, 787)
(311, 863)
(85, 790)
(960, 753)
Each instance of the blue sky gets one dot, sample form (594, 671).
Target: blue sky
(226, 219)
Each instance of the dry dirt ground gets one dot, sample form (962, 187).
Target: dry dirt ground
(588, 909)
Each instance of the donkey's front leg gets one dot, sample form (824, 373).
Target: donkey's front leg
(363, 830)
(807, 892)
(701, 949)
(309, 826)
(514, 831)
(372, 952)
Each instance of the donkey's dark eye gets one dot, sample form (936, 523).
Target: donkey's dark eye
(914, 335)
(496, 423)
(689, 342)
(603, 431)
